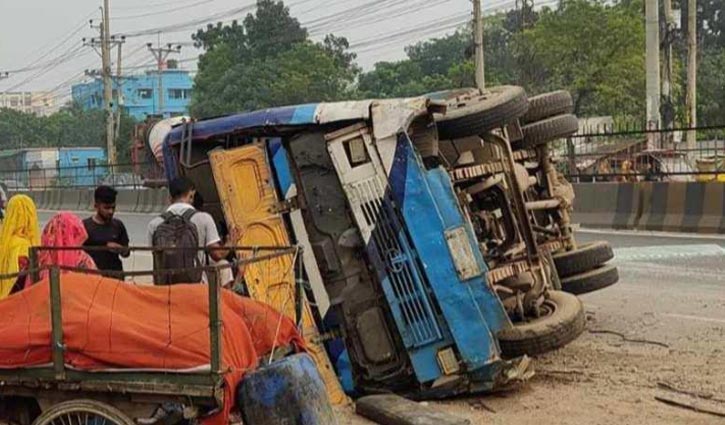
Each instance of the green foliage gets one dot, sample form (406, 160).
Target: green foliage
(268, 61)
(433, 65)
(593, 49)
(711, 88)
(69, 127)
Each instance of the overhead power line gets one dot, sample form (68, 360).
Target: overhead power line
(162, 12)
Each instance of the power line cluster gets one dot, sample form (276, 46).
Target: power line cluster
(353, 17)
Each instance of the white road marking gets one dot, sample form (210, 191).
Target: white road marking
(698, 318)
(664, 252)
(649, 234)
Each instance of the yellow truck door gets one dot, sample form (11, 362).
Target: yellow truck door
(249, 200)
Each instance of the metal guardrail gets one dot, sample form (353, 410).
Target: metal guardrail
(626, 153)
(124, 175)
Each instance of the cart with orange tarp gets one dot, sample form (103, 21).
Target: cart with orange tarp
(81, 349)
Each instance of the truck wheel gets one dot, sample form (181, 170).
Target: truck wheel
(583, 283)
(548, 105)
(82, 412)
(583, 259)
(544, 131)
(476, 113)
(561, 324)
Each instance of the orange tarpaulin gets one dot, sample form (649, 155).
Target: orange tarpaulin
(109, 324)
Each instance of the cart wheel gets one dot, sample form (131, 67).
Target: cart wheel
(82, 412)
(562, 322)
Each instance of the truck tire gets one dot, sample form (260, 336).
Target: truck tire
(477, 113)
(562, 325)
(544, 131)
(287, 391)
(583, 259)
(548, 105)
(583, 283)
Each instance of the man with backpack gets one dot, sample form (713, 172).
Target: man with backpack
(182, 226)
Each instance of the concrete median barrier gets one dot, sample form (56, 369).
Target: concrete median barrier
(152, 201)
(70, 200)
(607, 205)
(692, 207)
(86, 201)
(55, 200)
(127, 200)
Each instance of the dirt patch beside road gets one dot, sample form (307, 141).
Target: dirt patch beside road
(601, 379)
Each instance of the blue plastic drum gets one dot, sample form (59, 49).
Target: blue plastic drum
(289, 391)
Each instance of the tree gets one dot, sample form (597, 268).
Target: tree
(711, 89)
(268, 61)
(70, 127)
(432, 65)
(593, 49)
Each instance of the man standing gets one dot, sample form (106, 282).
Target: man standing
(105, 231)
(182, 226)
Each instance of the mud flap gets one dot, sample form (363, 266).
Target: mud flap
(246, 190)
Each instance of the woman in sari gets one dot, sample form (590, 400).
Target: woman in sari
(20, 231)
(64, 230)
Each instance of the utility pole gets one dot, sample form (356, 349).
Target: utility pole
(652, 29)
(691, 95)
(105, 43)
(160, 54)
(667, 112)
(107, 81)
(478, 43)
(119, 88)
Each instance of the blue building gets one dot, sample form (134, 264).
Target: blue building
(140, 93)
(39, 168)
(82, 166)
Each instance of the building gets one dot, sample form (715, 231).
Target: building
(39, 103)
(140, 93)
(37, 168)
(82, 166)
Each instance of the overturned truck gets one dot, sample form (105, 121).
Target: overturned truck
(414, 283)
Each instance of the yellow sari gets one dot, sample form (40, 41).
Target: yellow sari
(20, 230)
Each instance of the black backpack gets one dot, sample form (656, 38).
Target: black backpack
(177, 231)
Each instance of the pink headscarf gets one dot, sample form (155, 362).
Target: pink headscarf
(64, 230)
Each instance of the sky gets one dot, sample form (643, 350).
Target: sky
(41, 40)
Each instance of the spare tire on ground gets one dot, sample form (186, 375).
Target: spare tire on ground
(548, 105)
(475, 113)
(562, 324)
(547, 130)
(599, 278)
(586, 257)
(287, 391)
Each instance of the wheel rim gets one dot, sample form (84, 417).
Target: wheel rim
(81, 418)
(548, 308)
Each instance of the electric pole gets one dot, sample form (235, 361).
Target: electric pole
(119, 88)
(105, 43)
(691, 95)
(652, 29)
(160, 54)
(107, 81)
(478, 43)
(667, 108)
